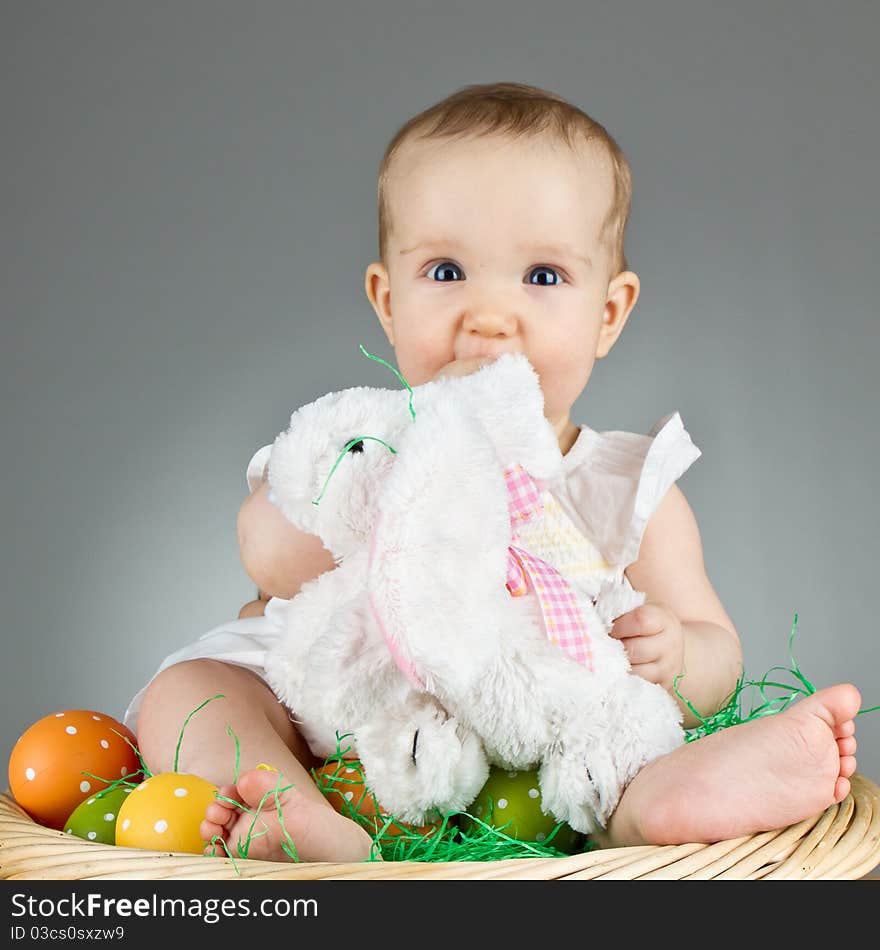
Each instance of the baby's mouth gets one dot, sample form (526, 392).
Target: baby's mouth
(484, 354)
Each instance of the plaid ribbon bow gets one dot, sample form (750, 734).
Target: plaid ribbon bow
(563, 619)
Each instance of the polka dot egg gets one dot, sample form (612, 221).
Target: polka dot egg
(65, 758)
(95, 818)
(342, 783)
(511, 802)
(164, 813)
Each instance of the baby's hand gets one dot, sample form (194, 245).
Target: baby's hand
(654, 642)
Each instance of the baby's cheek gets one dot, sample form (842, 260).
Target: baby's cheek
(562, 384)
(419, 366)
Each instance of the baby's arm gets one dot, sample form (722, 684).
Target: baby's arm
(683, 625)
(254, 608)
(278, 557)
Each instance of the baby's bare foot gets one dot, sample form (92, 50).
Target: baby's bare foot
(317, 832)
(757, 776)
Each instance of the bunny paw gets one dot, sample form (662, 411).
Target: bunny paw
(579, 786)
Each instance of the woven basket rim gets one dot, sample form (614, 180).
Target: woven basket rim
(842, 842)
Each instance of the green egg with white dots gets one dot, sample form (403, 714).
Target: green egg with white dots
(510, 801)
(95, 818)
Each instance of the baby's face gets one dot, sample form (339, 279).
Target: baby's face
(495, 249)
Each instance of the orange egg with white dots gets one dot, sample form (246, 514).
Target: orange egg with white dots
(342, 782)
(65, 757)
(164, 813)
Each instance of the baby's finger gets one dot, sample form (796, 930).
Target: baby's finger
(623, 627)
(641, 650)
(648, 671)
(643, 621)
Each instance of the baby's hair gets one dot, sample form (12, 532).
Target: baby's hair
(514, 110)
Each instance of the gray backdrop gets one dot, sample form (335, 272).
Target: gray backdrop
(188, 206)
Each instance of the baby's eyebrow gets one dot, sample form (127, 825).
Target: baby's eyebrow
(559, 250)
(435, 242)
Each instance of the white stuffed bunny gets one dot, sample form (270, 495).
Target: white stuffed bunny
(413, 644)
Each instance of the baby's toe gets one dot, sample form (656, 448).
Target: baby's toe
(844, 729)
(219, 813)
(228, 792)
(256, 788)
(210, 830)
(847, 766)
(847, 746)
(841, 789)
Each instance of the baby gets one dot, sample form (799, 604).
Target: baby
(518, 201)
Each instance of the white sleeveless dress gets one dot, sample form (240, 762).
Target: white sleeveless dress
(595, 515)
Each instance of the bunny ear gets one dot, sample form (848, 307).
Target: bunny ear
(444, 500)
(505, 399)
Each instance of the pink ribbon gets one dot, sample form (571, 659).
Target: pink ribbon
(561, 613)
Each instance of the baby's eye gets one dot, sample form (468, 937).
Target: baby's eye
(545, 282)
(445, 268)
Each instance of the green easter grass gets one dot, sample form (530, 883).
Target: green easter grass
(750, 699)
(461, 836)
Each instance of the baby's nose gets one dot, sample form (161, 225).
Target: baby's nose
(490, 320)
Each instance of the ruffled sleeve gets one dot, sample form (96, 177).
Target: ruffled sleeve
(614, 481)
(256, 469)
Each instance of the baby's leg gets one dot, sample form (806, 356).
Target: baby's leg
(757, 776)
(265, 735)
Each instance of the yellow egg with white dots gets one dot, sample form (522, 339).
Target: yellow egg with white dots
(164, 813)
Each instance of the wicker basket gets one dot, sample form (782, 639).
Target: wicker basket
(842, 842)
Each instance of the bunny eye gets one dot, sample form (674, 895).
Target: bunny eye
(353, 445)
